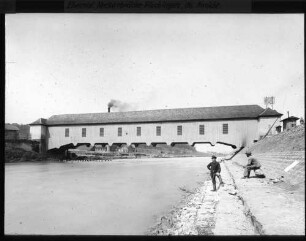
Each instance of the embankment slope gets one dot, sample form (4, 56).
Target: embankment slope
(286, 141)
(278, 152)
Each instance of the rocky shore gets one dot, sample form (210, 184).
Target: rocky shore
(208, 213)
(240, 207)
(269, 206)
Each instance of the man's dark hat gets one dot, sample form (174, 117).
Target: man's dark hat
(248, 153)
(213, 157)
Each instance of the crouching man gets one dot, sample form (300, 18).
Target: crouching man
(215, 170)
(253, 164)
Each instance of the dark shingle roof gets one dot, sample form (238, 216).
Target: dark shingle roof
(9, 127)
(269, 112)
(291, 118)
(40, 121)
(164, 115)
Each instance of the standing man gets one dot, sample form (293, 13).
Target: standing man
(215, 170)
(253, 164)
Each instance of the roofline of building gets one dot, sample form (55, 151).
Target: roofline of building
(148, 122)
(10, 127)
(277, 115)
(262, 113)
(37, 124)
(171, 109)
(44, 122)
(291, 118)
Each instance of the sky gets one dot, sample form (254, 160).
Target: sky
(77, 63)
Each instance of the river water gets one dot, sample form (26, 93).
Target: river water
(117, 197)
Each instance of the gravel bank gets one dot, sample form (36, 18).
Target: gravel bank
(208, 213)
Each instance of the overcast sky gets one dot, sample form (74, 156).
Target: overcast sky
(77, 63)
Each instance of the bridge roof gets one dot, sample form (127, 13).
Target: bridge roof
(163, 115)
(269, 112)
(39, 121)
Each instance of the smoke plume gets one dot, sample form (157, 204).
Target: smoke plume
(119, 106)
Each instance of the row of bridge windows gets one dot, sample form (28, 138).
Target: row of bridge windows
(158, 130)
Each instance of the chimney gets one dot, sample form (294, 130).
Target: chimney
(108, 109)
(288, 113)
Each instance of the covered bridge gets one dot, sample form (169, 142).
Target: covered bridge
(235, 126)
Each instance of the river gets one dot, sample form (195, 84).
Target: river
(97, 198)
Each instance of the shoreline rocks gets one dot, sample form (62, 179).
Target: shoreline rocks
(204, 212)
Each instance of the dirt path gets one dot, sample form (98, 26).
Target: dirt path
(275, 210)
(209, 213)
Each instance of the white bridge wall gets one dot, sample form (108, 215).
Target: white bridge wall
(239, 132)
(265, 123)
(38, 132)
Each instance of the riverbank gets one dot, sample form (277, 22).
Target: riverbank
(208, 213)
(22, 152)
(274, 205)
(240, 207)
(16, 154)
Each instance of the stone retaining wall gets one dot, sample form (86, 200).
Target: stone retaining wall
(274, 163)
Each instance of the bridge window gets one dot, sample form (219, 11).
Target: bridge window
(138, 131)
(101, 131)
(158, 130)
(119, 131)
(83, 132)
(179, 130)
(201, 129)
(66, 132)
(225, 129)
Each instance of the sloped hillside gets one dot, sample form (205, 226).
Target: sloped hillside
(291, 140)
(279, 152)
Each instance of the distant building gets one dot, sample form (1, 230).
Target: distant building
(11, 132)
(98, 148)
(24, 132)
(233, 126)
(289, 122)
